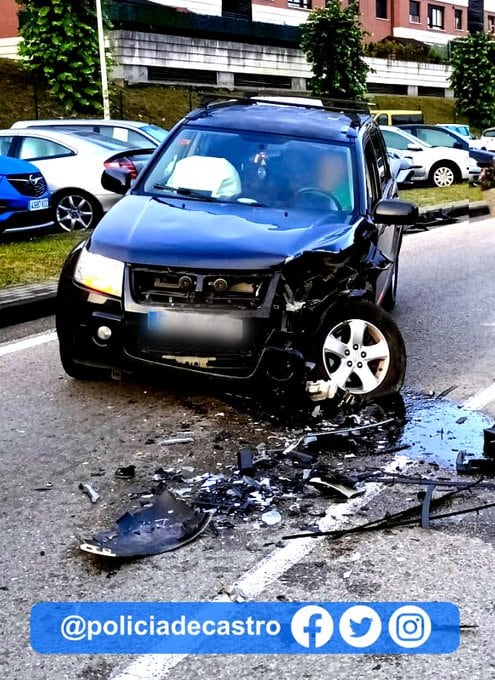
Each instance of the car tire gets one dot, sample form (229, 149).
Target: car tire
(80, 371)
(444, 174)
(349, 334)
(76, 210)
(390, 298)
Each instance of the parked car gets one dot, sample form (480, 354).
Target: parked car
(132, 132)
(397, 116)
(401, 166)
(460, 128)
(24, 196)
(260, 241)
(437, 165)
(439, 136)
(72, 164)
(487, 140)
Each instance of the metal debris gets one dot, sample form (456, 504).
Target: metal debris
(466, 465)
(176, 440)
(90, 492)
(164, 524)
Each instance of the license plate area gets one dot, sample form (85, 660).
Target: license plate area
(38, 204)
(190, 327)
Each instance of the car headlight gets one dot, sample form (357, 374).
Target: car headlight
(100, 273)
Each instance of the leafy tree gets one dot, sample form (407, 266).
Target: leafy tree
(333, 44)
(60, 44)
(473, 77)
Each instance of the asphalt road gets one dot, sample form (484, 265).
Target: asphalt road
(59, 432)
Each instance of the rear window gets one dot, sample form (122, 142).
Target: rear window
(405, 118)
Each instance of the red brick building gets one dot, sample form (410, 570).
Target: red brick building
(8, 18)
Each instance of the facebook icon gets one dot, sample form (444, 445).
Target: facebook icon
(312, 626)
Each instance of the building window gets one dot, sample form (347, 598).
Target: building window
(435, 17)
(458, 19)
(381, 9)
(299, 4)
(491, 24)
(238, 9)
(414, 12)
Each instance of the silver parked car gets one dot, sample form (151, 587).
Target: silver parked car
(134, 132)
(72, 163)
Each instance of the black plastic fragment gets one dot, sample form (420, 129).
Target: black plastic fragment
(245, 461)
(474, 466)
(489, 441)
(167, 524)
(127, 472)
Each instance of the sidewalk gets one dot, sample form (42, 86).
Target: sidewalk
(13, 298)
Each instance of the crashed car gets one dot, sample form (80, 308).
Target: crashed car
(260, 242)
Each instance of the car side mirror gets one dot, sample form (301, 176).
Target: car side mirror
(394, 211)
(116, 181)
(414, 147)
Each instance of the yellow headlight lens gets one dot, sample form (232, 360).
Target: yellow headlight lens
(100, 273)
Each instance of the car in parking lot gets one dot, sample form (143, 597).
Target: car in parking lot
(487, 140)
(437, 165)
(24, 196)
(439, 136)
(135, 133)
(72, 164)
(260, 242)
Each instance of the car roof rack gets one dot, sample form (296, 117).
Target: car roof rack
(345, 106)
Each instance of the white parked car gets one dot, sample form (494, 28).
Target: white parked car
(72, 164)
(435, 164)
(134, 132)
(486, 141)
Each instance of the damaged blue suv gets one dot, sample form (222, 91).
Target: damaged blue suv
(261, 241)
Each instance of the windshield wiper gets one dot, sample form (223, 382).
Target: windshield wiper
(184, 191)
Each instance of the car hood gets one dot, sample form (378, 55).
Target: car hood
(14, 166)
(187, 233)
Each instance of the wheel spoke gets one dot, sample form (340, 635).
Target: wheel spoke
(358, 329)
(335, 346)
(380, 350)
(342, 374)
(368, 380)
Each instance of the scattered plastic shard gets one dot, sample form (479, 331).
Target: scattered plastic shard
(474, 466)
(90, 492)
(245, 461)
(330, 487)
(176, 440)
(271, 517)
(489, 441)
(319, 390)
(126, 472)
(167, 524)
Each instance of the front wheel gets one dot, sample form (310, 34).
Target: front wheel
(76, 211)
(360, 350)
(444, 175)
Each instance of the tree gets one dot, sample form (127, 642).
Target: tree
(333, 44)
(60, 44)
(473, 77)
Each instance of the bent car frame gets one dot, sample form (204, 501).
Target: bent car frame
(261, 241)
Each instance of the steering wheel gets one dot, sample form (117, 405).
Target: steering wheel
(319, 194)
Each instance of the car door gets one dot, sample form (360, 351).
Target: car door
(55, 160)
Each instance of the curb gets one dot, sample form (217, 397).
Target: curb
(13, 299)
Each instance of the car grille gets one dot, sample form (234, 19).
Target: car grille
(172, 287)
(29, 185)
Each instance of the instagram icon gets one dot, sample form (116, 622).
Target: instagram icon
(409, 627)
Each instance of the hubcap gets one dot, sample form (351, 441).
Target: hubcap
(443, 177)
(356, 356)
(74, 213)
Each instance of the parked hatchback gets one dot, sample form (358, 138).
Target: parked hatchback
(132, 132)
(261, 241)
(72, 164)
(24, 196)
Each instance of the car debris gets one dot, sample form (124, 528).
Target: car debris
(127, 472)
(271, 517)
(489, 441)
(466, 465)
(176, 440)
(164, 524)
(93, 495)
(340, 490)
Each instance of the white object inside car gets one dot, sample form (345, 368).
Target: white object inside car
(217, 176)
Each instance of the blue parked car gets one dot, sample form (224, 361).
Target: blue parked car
(260, 241)
(24, 196)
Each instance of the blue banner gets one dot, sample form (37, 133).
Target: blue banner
(245, 628)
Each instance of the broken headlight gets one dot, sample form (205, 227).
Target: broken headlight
(99, 273)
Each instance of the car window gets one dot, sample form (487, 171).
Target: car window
(381, 157)
(373, 191)
(37, 148)
(395, 141)
(435, 137)
(489, 133)
(5, 143)
(254, 167)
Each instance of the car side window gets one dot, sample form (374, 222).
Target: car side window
(372, 176)
(37, 148)
(435, 137)
(395, 141)
(5, 144)
(381, 157)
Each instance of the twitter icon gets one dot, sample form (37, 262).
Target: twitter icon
(360, 626)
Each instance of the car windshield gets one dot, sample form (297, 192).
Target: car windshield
(254, 168)
(155, 131)
(489, 133)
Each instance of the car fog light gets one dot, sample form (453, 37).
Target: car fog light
(104, 333)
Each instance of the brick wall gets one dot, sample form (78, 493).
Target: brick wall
(8, 18)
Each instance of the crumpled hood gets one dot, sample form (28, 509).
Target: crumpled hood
(187, 233)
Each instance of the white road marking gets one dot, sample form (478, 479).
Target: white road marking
(27, 343)
(255, 580)
(481, 398)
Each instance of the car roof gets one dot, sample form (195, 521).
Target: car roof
(294, 119)
(88, 141)
(79, 121)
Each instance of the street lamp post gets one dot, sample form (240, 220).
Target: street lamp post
(103, 61)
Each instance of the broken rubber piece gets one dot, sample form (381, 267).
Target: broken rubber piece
(167, 524)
